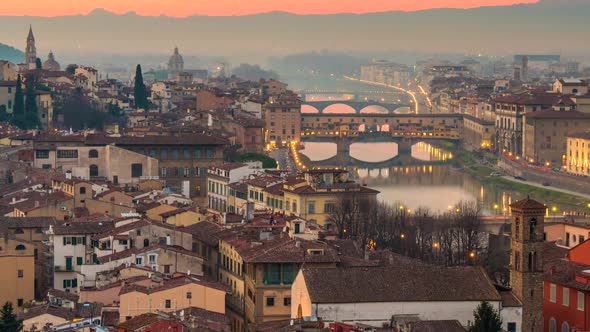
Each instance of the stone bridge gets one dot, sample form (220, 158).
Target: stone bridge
(358, 106)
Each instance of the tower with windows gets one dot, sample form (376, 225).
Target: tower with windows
(526, 261)
(31, 50)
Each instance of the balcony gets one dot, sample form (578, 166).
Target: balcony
(235, 303)
(61, 268)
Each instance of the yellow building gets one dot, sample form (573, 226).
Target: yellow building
(172, 295)
(578, 150)
(17, 261)
(316, 197)
(182, 217)
(155, 212)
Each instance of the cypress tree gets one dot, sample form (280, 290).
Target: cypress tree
(139, 91)
(31, 111)
(38, 63)
(8, 321)
(19, 102)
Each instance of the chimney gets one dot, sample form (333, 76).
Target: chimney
(13, 200)
(36, 204)
(297, 243)
(366, 255)
(68, 175)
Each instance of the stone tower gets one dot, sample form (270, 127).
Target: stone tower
(526, 261)
(31, 51)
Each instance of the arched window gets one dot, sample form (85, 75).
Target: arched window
(517, 228)
(565, 327)
(552, 325)
(93, 170)
(532, 229)
(93, 154)
(20, 247)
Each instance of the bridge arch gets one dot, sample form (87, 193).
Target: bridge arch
(403, 110)
(308, 109)
(339, 108)
(375, 109)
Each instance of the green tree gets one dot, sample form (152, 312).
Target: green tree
(38, 63)
(139, 91)
(19, 101)
(8, 320)
(31, 111)
(487, 319)
(71, 69)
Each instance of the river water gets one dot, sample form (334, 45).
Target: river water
(436, 186)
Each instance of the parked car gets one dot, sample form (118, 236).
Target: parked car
(520, 178)
(546, 184)
(495, 174)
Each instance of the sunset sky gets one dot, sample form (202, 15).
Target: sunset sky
(181, 8)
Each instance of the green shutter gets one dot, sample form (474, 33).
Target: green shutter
(65, 284)
(74, 241)
(84, 240)
(64, 240)
(79, 261)
(74, 283)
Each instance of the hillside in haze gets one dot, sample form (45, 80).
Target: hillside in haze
(11, 54)
(550, 26)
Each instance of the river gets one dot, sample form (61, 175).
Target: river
(429, 180)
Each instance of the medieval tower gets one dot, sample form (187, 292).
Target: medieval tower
(31, 51)
(526, 261)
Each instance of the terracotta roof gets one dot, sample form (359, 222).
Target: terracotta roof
(527, 203)
(582, 135)
(122, 229)
(437, 326)
(509, 299)
(174, 212)
(550, 114)
(205, 231)
(140, 321)
(406, 283)
(173, 283)
(37, 200)
(230, 166)
(63, 295)
(27, 222)
(49, 309)
(82, 227)
(206, 320)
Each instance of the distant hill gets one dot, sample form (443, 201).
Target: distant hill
(11, 54)
(551, 26)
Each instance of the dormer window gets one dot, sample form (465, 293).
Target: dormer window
(315, 251)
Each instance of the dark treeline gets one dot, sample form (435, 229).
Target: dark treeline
(453, 238)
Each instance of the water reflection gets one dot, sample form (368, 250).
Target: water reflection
(435, 186)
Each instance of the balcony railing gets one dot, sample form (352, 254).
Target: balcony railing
(235, 303)
(61, 268)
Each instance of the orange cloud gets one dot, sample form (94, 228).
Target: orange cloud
(181, 8)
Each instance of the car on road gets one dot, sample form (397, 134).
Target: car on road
(520, 178)
(495, 174)
(546, 184)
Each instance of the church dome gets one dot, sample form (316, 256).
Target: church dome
(176, 62)
(51, 64)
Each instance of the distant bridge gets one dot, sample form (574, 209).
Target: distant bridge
(358, 106)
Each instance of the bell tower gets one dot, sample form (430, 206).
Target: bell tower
(31, 50)
(526, 261)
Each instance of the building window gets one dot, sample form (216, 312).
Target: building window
(20, 247)
(20, 273)
(152, 259)
(311, 207)
(139, 261)
(553, 293)
(294, 207)
(42, 154)
(532, 229)
(67, 154)
(152, 153)
(566, 296)
(287, 301)
(167, 269)
(79, 261)
(136, 170)
(168, 304)
(93, 170)
(189, 295)
(163, 154)
(187, 154)
(20, 302)
(272, 274)
(552, 325)
(270, 301)
(511, 327)
(93, 154)
(580, 301)
(565, 327)
(209, 153)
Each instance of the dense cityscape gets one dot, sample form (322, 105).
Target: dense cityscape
(315, 192)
